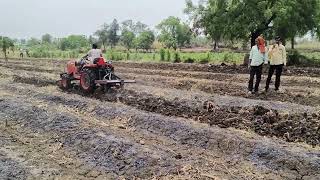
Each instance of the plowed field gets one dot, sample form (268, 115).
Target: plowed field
(179, 121)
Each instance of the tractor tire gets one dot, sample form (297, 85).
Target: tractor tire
(87, 79)
(65, 82)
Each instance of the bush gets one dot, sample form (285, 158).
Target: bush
(294, 58)
(153, 56)
(136, 56)
(297, 59)
(162, 54)
(177, 57)
(208, 56)
(204, 61)
(112, 57)
(189, 60)
(227, 58)
(168, 55)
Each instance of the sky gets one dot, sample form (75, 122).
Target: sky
(33, 18)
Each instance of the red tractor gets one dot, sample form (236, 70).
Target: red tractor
(91, 76)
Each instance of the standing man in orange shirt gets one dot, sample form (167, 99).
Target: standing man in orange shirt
(262, 44)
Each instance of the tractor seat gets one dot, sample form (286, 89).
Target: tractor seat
(99, 61)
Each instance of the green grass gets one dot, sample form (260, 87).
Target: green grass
(311, 45)
(306, 57)
(207, 57)
(311, 55)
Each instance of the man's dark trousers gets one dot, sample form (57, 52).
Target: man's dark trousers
(255, 71)
(278, 69)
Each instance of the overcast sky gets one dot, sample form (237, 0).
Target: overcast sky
(33, 18)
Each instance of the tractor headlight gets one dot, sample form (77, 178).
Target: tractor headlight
(109, 62)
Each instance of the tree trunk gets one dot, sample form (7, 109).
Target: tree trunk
(292, 43)
(5, 55)
(215, 46)
(254, 36)
(246, 60)
(104, 47)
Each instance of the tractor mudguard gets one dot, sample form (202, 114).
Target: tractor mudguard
(71, 67)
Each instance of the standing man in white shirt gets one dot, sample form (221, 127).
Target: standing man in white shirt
(256, 61)
(94, 53)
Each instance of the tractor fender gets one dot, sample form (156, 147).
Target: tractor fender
(71, 67)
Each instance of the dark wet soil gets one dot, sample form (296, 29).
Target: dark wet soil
(136, 134)
(293, 128)
(297, 95)
(228, 69)
(104, 149)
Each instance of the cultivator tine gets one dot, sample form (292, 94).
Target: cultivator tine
(114, 81)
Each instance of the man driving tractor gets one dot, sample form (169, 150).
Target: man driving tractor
(94, 53)
(91, 74)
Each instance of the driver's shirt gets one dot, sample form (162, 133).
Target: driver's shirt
(93, 54)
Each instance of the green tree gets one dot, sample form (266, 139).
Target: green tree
(210, 19)
(297, 19)
(247, 19)
(47, 38)
(139, 27)
(136, 28)
(145, 40)
(173, 33)
(92, 40)
(113, 37)
(127, 25)
(184, 35)
(102, 34)
(33, 42)
(5, 44)
(23, 41)
(127, 38)
(74, 42)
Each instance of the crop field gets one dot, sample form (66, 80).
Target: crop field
(179, 121)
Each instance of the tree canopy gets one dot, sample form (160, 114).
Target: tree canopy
(108, 34)
(46, 38)
(247, 19)
(145, 40)
(102, 34)
(173, 33)
(136, 28)
(127, 39)
(73, 42)
(5, 44)
(113, 37)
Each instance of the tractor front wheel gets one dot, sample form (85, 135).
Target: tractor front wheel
(87, 79)
(65, 82)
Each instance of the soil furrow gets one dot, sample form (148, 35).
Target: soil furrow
(306, 97)
(212, 139)
(179, 121)
(228, 69)
(240, 78)
(95, 146)
(207, 138)
(263, 121)
(190, 160)
(302, 96)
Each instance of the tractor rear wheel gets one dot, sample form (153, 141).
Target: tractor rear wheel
(87, 79)
(65, 82)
